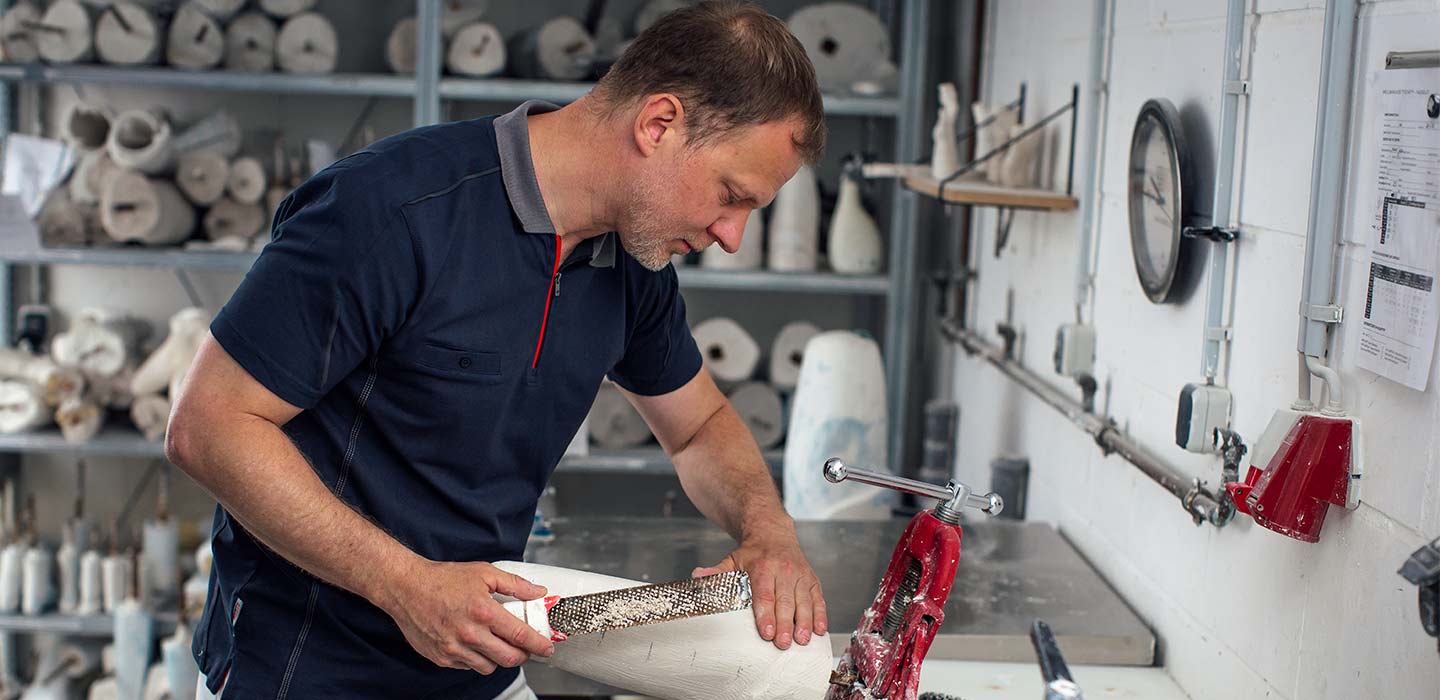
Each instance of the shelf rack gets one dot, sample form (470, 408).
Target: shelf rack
(100, 626)
(428, 89)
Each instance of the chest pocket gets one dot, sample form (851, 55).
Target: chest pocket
(462, 362)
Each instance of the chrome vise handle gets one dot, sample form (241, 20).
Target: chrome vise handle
(953, 496)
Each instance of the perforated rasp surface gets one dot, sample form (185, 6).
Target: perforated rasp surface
(644, 605)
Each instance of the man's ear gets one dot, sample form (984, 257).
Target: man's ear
(661, 119)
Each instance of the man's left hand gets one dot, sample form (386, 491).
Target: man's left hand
(787, 599)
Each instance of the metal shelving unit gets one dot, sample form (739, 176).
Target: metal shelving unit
(428, 89)
(100, 626)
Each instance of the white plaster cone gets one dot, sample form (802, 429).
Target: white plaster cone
(730, 353)
(195, 40)
(714, 657)
(944, 151)
(838, 411)
(17, 33)
(22, 408)
(794, 231)
(92, 585)
(788, 352)
(134, 637)
(68, 561)
(128, 35)
(117, 574)
(160, 558)
(1017, 167)
(761, 410)
(71, 33)
(854, 241)
(181, 673)
(613, 421)
(400, 46)
(750, 256)
(37, 590)
(12, 573)
(477, 51)
(250, 43)
(307, 44)
(991, 135)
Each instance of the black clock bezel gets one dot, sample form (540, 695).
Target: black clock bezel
(1169, 127)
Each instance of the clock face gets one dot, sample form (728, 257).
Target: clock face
(1156, 197)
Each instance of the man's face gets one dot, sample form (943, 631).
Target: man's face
(685, 199)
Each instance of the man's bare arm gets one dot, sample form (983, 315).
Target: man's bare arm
(724, 474)
(225, 432)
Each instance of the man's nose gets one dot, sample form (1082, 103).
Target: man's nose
(728, 230)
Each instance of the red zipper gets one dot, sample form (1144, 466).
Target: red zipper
(549, 295)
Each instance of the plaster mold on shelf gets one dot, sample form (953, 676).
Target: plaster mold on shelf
(400, 46)
(127, 34)
(141, 140)
(991, 135)
(17, 36)
(218, 133)
(195, 40)
(286, 8)
(714, 657)
(166, 367)
(944, 153)
(221, 10)
(65, 34)
(246, 183)
(92, 171)
(37, 591)
(478, 50)
(145, 210)
(761, 410)
(84, 127)
(99, 343)
(795, 224)
(150, 413)
(307, 44)
(79, 419)
(788, 352)
(730, 353)
(55, 383)
(22, 408)
(202, 177)
(229, 219)
(64, 222)
(845, 42)
(250, 43)
(559, 49)
(1017, 163)
(458, 14)
(854, 240)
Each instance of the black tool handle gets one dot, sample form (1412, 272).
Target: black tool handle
(1052, 663)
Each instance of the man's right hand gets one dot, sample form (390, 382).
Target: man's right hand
(448, 615)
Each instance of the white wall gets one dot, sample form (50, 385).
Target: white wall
(1241, 612)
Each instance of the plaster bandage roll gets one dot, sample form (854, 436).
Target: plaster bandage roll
(750, 256)
(247, 180)
(795, 224)
(116, 573)
(652, 11)
(614, 422)
(145, 210)
(64, 222)
(760, 408)
(844, 41)
(788, 352)
(92, 171)
(221, 10)
(85, 127)
(66, 32)
(79, 419)
(22, 408)
(250, 43)
(231, 219)
(12, 571)
(91, 584)
(559, 49)
(458, 14)
(854, 241)
(149, 413)
(286, 8)
(68, 560)
(991, 135)
(141, 140)
(307, 44)
(838, 411)
(195, 40)
(127, 34)
(219, 133)
(99, 343)
(400, 46)
(160, 559)
(713, 657)
(729, 352)
(202, 176)
(38, 588)
(56, 383)
(17, 33)
(478, 51)
(1017, 164)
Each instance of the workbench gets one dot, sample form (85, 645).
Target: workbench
(1011, 573)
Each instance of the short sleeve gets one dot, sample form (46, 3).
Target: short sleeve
(338, 276)
(661, 355)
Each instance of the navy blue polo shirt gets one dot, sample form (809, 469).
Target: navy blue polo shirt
(413, 303)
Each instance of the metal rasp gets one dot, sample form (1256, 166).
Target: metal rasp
(560, 618)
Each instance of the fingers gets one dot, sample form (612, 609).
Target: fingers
(822, 617)
(804, 611)
(726, 564)
(511, 631)
(462, 657)
(762, 601)
(784, 607)
(506, 583)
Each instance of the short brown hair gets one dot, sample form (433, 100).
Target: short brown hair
(731, 63)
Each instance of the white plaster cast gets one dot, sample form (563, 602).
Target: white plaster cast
(788, 351)
(944, 153)
(165, 367)
(714, 657)
(854, 240)
(195, 41)
(307, 43)
(478, 50)
(250, 43)
(128, 34)
(730, 353)
(795, 224)
(66, 32)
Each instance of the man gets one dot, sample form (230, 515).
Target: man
(382, 401)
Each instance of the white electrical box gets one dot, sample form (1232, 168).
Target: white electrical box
(1075, 350)
(1204, 411)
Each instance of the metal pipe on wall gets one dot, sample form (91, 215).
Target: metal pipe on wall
(1201, 504)
(1101, 33)
(1216, 335)
(427, 62)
